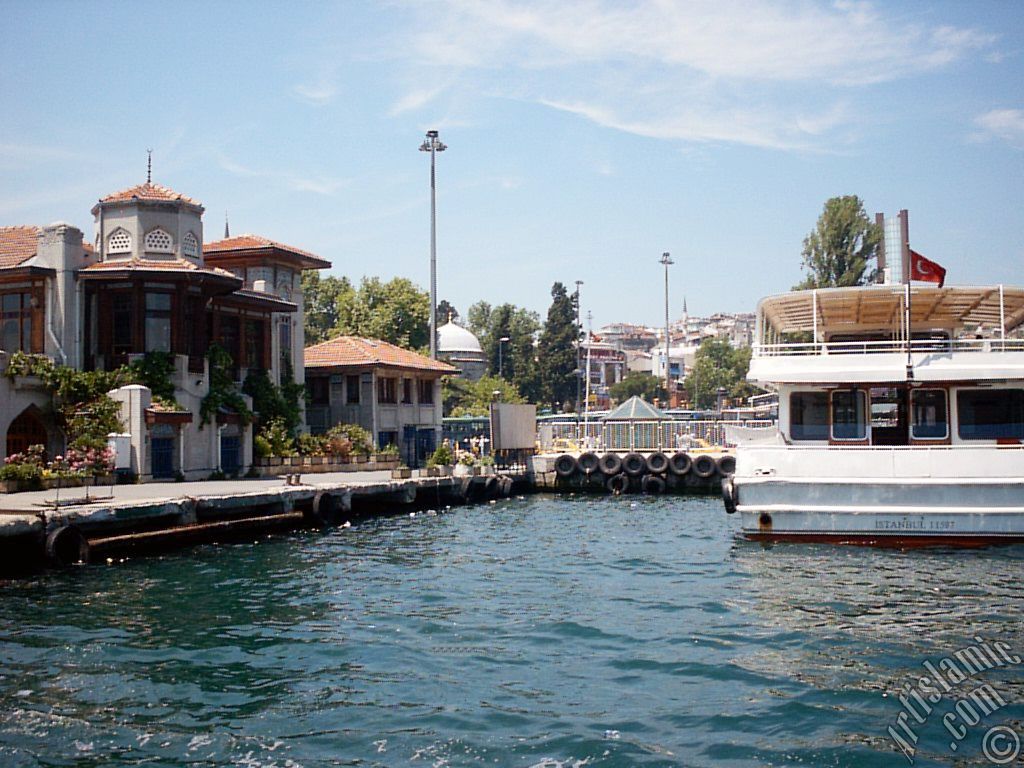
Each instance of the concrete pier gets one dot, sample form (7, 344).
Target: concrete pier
(144, 518)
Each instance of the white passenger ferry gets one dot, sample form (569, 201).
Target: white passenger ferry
(901, 418)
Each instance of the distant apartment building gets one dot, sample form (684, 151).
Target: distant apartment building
(606, 365)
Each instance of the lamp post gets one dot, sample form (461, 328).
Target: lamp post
(579, 328)
(501, 360)
(667, 260)
(433, 145)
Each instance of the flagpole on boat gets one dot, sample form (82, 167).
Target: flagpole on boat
(905, 253)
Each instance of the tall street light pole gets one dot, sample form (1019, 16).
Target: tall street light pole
(579, 329)
(433, 145)
(501, 361)
(667, 260)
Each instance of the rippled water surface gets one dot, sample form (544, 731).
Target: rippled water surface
(534, 632)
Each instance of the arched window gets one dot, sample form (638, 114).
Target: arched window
(119, 241)
(158, 241)
(26, 430)
(190, 246)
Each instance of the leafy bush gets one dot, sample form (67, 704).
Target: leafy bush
(442, 456)
(261, 447)
(154, 370)
(312, 445)
(25, 467)
(389, 451)
(359, 439)
(278, 438)
(222, 393)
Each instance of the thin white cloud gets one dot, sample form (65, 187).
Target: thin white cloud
(318, 93)
(1003, 124)
(414, 100)
(758, 73)
(320, 185)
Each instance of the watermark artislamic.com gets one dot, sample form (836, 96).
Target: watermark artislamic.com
(946, 678)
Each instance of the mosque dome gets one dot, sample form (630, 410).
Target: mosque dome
(454, 338)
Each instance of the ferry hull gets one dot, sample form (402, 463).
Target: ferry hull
(906, 513)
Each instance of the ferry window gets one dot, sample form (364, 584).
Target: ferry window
(928, 409)
(848, 421)
(808, 416)
(885, 407)
(990, 414)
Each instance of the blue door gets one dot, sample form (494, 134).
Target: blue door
(230, 455)
(162, 453)
(426, 443)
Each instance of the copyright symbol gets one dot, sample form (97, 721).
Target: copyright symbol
(1000, 744)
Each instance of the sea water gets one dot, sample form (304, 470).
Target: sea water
(538, 631)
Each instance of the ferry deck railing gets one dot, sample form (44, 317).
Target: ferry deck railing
(645, 436)
(941, 346)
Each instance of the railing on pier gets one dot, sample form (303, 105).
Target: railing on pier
(940, 346)
(663, 435)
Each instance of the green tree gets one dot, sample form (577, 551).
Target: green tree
(473, 398)
(478, 319)
(445, 311)
(840, 250)
(644, 385)
(396, 311)
(323, 298)
(718, 364)
(556, 353)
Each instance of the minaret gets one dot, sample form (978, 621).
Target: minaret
(227, 230)
(149, 166)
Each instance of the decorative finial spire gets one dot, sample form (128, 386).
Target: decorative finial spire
(149, 166)
(227, 231)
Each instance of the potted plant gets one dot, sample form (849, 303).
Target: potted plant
(24, 471)
(401, 472)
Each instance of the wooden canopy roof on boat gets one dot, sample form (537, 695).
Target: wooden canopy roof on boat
(880, 308)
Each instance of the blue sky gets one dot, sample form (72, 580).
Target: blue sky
(585, 138)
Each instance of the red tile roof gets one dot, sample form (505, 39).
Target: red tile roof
(357, 351)
(17, 245)
(148, 191)
(171, 265)
(255, 243)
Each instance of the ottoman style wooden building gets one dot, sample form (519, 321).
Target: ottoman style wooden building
(149, 284)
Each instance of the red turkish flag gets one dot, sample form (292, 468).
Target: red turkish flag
(926, 270)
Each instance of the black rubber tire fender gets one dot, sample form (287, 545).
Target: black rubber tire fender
(729, 497)
(67, 545)
(704, 466)
(633, 464)
(617, 483)
(657, 463)
(327, 510)
(588, 463)
(491, 487)
(565, 465)
(680, 463)
(610, 464)
(726, 465)
(653, 484)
